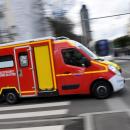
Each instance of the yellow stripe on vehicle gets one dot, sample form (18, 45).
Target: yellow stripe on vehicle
(52, 65)
(27, 92)
(8, 87)
(25, 43)
(88, 72)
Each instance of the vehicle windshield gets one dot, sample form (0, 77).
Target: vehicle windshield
(85, 49)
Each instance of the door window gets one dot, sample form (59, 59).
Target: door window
(73, 57)
(23, 59)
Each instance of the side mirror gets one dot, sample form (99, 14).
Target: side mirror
(85, 62)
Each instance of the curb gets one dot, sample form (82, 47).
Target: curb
(121, 58)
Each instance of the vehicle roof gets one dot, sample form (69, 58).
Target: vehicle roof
(27, 41)
(18, 43)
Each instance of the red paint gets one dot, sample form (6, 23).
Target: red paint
(27, 82)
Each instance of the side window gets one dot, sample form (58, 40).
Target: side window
(23, 59)
(6, 61)
(72, 57)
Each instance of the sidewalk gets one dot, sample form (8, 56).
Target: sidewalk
(122, 58)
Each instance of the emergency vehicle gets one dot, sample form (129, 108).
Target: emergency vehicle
(51, 67)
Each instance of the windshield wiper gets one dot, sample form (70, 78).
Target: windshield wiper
(99, 59)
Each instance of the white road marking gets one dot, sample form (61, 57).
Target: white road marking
(127, 79)
(57, 127)
(88, 117)
(115, 104)
(103, 112)
(34, 106)
(88, 122)
(40, 121)
(121, 61)
(34, 114)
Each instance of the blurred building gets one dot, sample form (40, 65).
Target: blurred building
(85, 25)
(5, 31)
(128, 28)
(25, 19)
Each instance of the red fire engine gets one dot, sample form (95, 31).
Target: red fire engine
(50, 66)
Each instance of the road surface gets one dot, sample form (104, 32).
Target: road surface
(73, 112)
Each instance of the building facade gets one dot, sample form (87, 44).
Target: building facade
(5, 34)
(128, 28)
(25, 19)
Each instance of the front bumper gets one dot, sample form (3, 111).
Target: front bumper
(118, 82)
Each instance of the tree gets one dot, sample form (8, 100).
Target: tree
(64, 27)
(123, 41)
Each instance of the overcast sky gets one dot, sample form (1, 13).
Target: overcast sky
(109, 28)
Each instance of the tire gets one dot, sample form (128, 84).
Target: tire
(101, 89)
(1, 98)
(11, 97)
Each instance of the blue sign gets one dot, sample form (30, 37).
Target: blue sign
(102, 47)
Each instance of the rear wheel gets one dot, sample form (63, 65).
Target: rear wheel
(11, 97)
(1, 98)
(101, 89)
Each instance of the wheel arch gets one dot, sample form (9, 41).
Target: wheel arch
(6, 90)
(97, 80)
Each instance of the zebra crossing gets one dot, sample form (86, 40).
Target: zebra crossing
(29, 117)
(49, 116)
(58, 127)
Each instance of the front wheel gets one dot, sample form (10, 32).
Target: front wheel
(101, 89)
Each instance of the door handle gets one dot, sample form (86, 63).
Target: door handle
(20, 73)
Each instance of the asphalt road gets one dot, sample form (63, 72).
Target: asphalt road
(73, 112)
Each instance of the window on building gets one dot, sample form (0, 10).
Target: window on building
(73, 57)
(6, 61)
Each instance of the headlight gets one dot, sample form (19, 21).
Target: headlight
(113, 69)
